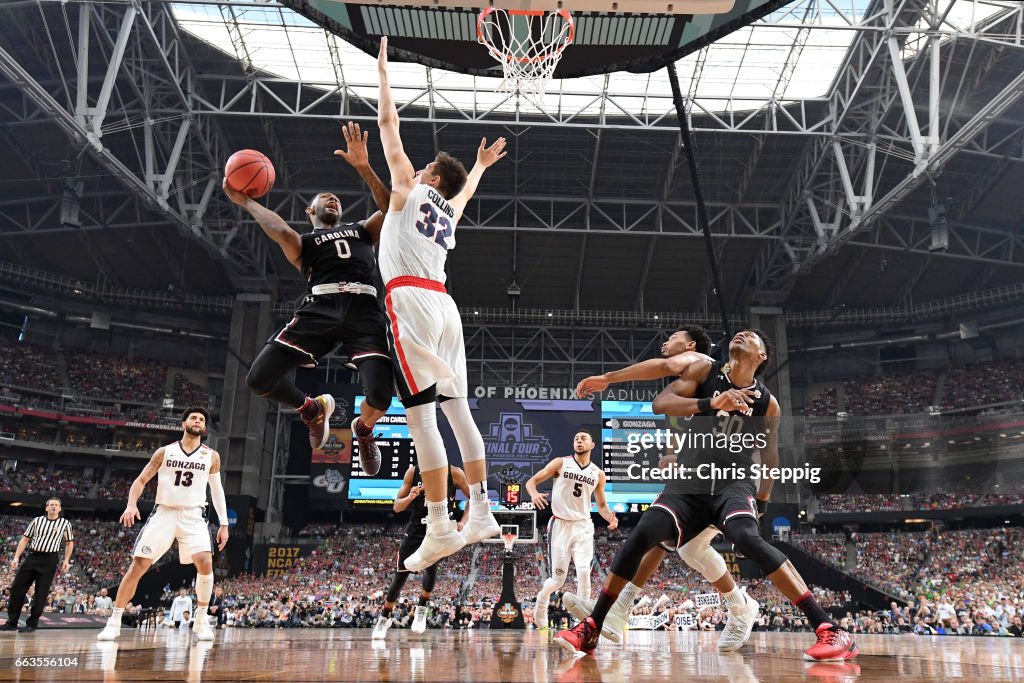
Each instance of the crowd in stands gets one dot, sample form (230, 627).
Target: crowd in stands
(897, 394)
(824, 404)
(103, 376)
(951, 497)
(859, 502)
(22, 365)
(188, 393)
(890, 560)
(984, 383)
(829, 548)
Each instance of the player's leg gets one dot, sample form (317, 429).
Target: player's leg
(657, 525)
(419, 622)
(834, 643)
(559, 552)
(583, 557)
(203, 561)
(482, 523)
(366, 342)
(153, 541)
(268, 377)
(195, 547)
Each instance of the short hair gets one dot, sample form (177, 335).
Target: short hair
(700, 337)
(767, 349)
(196, 409)
(583, 431)
(453, 174)
(59, 501)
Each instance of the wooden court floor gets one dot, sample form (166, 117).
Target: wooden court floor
(483, 656)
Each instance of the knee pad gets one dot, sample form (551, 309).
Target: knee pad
(745, 535)
(704, 559)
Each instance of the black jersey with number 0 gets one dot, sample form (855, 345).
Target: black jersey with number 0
(343, 253)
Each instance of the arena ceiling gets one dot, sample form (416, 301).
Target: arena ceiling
(825, 136)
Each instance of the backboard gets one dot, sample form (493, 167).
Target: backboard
(524, 520)
(443, 33)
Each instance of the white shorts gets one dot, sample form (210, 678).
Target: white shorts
(425, 336)
(167, 524)
(570, 540)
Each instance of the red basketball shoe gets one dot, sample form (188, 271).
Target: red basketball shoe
(834, 644)
(581, 638)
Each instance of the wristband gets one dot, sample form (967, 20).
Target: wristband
(762, 507)
(703, 405)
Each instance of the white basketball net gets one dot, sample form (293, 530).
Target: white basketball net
(527, 44)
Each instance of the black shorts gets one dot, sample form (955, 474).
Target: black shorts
(410, 543)
(325, 321)
(692, 513)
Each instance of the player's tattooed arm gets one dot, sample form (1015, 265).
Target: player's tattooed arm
(357, 155)
(770, 453)
(131, 510)
(273, 225)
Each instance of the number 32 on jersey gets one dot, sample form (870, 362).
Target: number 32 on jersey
(434, 226)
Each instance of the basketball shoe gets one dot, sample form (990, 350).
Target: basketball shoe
(369, 454)
(111, 631)
(614, 624)
(442, 540)
(739, 625)
(540, 617)
(419, 622)
(380, 629)
(318, 418)
(581, 638)
(834, 644)
(201, 627)
(480, 527)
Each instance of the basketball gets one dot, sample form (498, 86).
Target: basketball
(250, 172)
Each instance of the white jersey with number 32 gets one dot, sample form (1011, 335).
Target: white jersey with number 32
(415, 241)
(183, 477)
(571, 492)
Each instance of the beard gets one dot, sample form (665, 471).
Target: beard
(327, 218)
(195, 431)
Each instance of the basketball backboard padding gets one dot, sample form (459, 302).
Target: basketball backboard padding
(634, 6)
(443, 34)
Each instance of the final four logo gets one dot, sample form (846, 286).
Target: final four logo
(507, 613)
(511, 439)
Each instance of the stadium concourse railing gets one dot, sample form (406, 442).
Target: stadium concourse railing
(77, 290)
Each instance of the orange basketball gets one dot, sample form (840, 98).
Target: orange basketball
(250, 172)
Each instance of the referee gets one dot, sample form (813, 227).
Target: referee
(47, 538)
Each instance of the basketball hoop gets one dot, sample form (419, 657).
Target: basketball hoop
(528, 44)
(509, 534)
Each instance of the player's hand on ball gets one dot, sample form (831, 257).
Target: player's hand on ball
(587, 387)
(222, 537)
(540, 501)
(130, 515)
(355, 142)
(235, 196)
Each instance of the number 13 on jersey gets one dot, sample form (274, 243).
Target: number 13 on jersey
(429, 222)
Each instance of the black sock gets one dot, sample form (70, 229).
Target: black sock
(424, 599)
(812, 610)
(386, 612)
(604, 603)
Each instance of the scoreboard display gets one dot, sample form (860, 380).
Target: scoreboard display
(620, 420)
(397, 455)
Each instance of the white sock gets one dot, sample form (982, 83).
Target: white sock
(115, 616)
(626, 597)
(437, 513)
(204, 587)
(200, 612)
(479, 504)
(734, 598)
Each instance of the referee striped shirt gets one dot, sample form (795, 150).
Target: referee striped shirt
(48, 535)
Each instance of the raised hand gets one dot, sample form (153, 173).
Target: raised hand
(488, 156)
(355, 142)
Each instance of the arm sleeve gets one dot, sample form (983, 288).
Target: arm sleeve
(217, 496)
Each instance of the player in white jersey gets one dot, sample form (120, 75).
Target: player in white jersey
(571, 529)
(424, 327)
(183, 469)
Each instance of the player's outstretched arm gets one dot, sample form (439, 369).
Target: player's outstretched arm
(358, 156)
(655, 368)
(540, 500)
(770, 453)
(131, 511)
(602, 504)
(273, 225)
(485, 158)
(403, 175)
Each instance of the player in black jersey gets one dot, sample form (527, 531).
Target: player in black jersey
(731, 398)
(340, 307)
(410, 497)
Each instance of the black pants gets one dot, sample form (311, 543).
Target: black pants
(38, 568)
